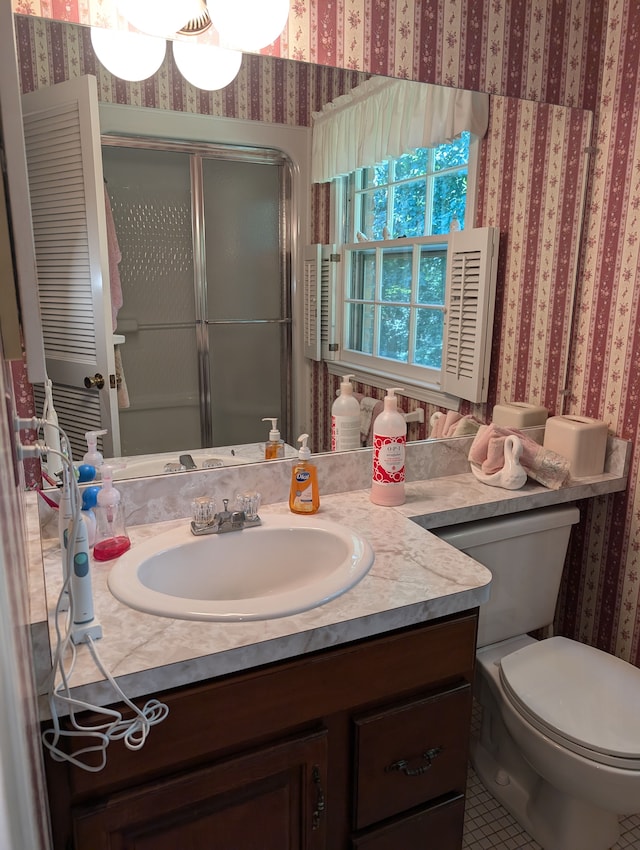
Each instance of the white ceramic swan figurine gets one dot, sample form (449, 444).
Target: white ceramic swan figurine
(512, 476)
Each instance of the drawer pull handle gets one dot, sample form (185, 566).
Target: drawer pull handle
(427, 757)
(320, 804)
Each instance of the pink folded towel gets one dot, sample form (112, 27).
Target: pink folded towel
(544, 466)
(452, 424)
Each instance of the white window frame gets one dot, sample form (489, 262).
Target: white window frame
(423, 384)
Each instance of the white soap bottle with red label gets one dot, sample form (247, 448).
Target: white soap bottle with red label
(389, 441)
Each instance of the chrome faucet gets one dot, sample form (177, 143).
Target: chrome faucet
(206, 520)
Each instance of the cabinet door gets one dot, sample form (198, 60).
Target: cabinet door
(268, 799)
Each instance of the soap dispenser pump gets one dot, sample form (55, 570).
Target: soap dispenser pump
(112, 539)
(389, 440)
(274, 447)
(92, 456)
(304, 496)
(345, 419)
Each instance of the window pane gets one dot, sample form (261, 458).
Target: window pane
(449, 197)
(433, 271)
(451, 154)
(376, 175)
(394, 333)
(409, 203)
(412, 164)
(429, 330)
(360, 327)
(363, 275)
(373, 212)
(396, 275)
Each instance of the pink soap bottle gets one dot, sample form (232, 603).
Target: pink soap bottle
(389, 440)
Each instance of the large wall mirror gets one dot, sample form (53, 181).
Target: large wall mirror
(533, 168)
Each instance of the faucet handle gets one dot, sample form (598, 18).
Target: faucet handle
(203, 509)
(248, 502)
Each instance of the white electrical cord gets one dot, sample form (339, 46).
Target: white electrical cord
(133, 730)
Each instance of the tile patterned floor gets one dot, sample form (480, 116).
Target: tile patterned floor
(489, 827)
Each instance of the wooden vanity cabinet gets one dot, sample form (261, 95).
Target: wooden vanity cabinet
(361, 747)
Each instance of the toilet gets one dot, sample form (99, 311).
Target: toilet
(559, 743)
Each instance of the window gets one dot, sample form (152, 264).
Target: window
(398, 304)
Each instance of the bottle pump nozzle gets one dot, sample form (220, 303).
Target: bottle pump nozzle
(274, 434)
(92, 455)
(390, 400)
(305, 452)
(346, 386)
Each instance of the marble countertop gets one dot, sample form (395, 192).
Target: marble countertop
(415, 577)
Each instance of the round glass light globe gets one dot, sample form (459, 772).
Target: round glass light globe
(248, 24)
(162, 18)
(206, 66)
(129, 55)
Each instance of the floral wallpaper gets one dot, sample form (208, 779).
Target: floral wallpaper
(535, 49)
(579, 53)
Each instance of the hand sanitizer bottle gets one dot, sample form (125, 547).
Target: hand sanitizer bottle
(345, 419)
(389, 440)
(111, 533)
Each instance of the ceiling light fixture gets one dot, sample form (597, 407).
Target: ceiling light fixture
(162, 18)
(206, 66)
(242, 25)
(129, 55)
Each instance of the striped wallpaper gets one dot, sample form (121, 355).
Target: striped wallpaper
(579, 53)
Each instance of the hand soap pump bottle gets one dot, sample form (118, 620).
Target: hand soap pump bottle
(274, 447)
(92, 456)
(304, 497)
(345, 419)
(389, 440)
(111, 533)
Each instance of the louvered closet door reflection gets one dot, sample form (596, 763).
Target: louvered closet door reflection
(246, 311)
(62, 140)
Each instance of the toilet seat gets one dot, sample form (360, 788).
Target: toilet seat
(582, 698)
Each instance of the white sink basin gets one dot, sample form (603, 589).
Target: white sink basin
(286, 565)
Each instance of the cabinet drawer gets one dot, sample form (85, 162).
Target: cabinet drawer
(439, 827)
(411, 753)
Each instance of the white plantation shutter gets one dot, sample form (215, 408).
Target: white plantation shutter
(312, 314)
(64, 161)
(472, 263)
(320, 280)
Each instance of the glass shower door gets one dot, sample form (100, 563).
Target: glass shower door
(246, 304)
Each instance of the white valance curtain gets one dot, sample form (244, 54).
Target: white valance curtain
(385, 117)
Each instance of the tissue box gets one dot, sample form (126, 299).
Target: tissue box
(583, 441)
(519, 414)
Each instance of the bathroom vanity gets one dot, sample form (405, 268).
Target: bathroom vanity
(361, 746)
(345, 726)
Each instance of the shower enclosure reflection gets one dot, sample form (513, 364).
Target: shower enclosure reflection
(206, 312)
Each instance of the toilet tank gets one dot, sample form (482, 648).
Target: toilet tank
(525, 553)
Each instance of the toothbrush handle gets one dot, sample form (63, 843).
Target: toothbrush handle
(81, 589)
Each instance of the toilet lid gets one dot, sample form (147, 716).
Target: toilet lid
(579, 696)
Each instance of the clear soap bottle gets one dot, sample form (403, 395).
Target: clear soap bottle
(112, 539)
(304, 496)
(274, 447)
